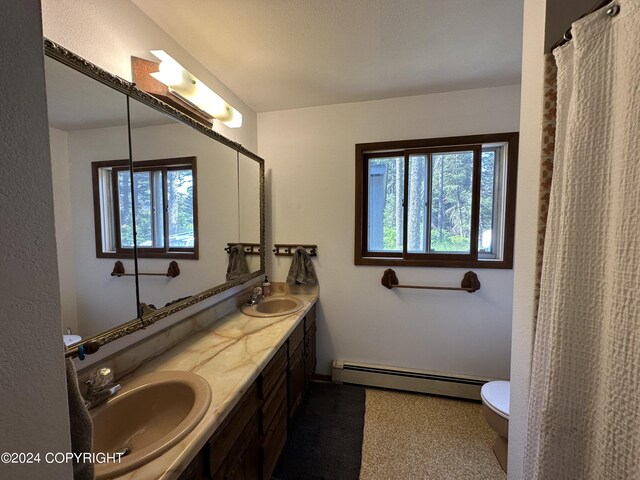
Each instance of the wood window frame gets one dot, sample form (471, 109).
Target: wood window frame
(403, 148)
(164, 165)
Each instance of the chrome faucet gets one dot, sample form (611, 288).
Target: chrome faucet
(256, 296)
(100, 387)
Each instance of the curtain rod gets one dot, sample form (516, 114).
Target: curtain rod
(567, 35)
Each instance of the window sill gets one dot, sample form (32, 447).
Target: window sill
(129, 256)
(402, 262)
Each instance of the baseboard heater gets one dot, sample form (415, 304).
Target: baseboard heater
(396, 378)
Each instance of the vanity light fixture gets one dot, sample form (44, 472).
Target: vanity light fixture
(188, 88)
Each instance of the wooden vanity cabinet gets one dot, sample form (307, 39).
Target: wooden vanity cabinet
(243, 460)
(274, 411)
(234, 450)
(198, 468)
(247, 445)
(296, 372)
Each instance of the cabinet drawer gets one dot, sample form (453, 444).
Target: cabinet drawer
(273, 371)
(295, 339)
(228, 433)
(274, 443)
(310, 318)
(274, 403)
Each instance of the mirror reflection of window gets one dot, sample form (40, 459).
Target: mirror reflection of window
(165, 207)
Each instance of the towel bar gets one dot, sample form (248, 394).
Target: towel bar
(289, 248)
(89, 347)
(470, 282)
(172, 272)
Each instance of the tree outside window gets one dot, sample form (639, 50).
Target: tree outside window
(441, 202)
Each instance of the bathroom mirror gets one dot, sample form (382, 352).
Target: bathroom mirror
(220, 183)
(186, 196)
(87, 123)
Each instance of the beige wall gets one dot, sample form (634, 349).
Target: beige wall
(33, 394)
(311, 199)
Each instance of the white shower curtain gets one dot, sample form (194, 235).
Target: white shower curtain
(584, 409)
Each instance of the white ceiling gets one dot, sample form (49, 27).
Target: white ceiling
(282, 54)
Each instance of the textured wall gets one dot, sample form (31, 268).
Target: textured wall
(310, 155)
(32, 382)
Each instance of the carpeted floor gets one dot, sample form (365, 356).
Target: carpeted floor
(325, 438)
(412, 436)
(401, 436)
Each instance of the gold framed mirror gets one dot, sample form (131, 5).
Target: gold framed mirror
(98, 117)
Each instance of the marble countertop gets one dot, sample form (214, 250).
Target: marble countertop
(229, 354)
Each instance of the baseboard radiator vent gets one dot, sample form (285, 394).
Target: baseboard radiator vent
(396, 378)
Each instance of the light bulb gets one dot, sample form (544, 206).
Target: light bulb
(185, 85)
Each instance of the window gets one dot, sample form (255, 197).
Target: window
(164, 194)
(446, 202)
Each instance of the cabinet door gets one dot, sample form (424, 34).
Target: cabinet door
(296, 379)
(222, 473)
(245, 459)
(234, 434)
(274, 440)
(197, 468)
(309, 355)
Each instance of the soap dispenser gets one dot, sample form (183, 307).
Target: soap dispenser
(266, 287)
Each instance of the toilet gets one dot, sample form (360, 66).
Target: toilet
(495, 407)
